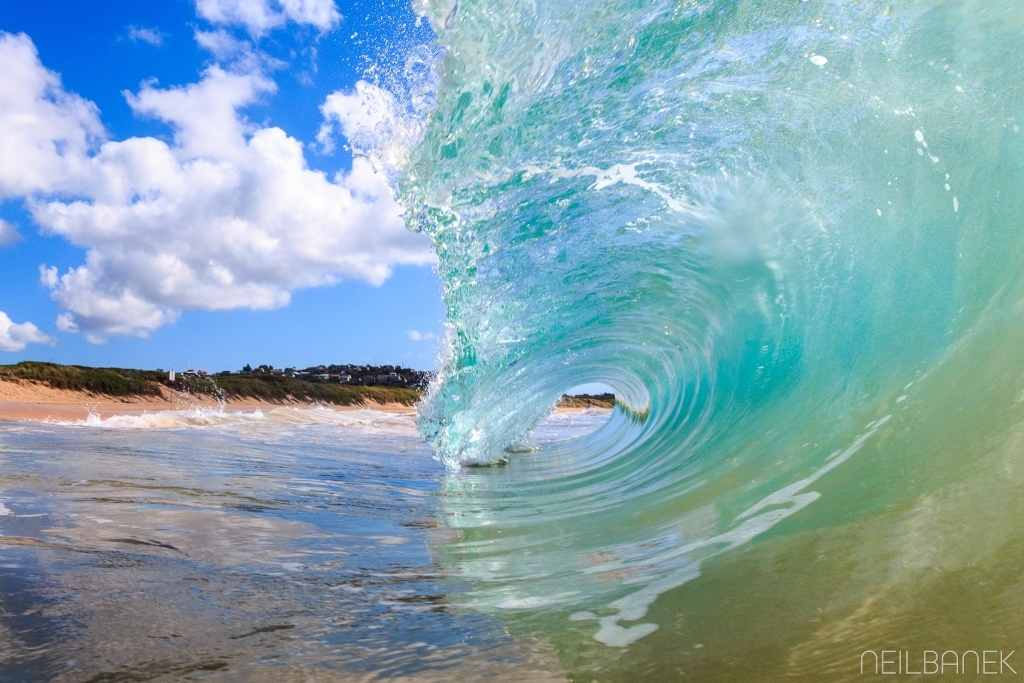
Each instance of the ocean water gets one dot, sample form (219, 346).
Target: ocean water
(291, 545)
(789, 236)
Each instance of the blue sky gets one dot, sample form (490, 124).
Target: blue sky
(184, 194)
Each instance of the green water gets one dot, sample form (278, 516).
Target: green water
(789, 235)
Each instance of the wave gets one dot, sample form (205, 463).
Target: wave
(786, 234)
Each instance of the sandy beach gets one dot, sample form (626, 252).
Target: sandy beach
(22, 400)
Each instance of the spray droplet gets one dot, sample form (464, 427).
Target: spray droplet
(947, 187)
(956, 205)
(819, 60)
(878, 211)
(919, 136)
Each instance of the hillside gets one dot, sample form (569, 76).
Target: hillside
(127, 383)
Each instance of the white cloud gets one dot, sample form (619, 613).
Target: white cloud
(8, 234)
(45, 133)
(227, 215)
(416, 335)
(16, 337)
(222, 44)
(260, 16)
(372, 121)
(146, 35)
(362, 112)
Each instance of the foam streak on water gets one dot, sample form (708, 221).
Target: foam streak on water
(366, 421)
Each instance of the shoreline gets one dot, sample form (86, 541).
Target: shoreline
(23, 401)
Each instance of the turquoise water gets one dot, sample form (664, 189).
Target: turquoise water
(788, 235)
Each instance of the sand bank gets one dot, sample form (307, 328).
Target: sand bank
(21, 400)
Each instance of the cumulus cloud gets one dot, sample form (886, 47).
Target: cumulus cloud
(226, 215)
(368, 112)
(374, 124)
(146, 35)
(16, 337)
(260, 16)
(8, 234)
(45, 132)
(416, 335)
(222, 44)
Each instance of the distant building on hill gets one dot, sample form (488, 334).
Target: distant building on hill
(362, 375)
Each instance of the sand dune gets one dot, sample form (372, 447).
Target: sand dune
(22, 400)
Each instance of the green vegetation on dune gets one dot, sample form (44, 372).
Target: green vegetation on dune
(277, 389)
(107, 381)
(125, 383)
(587, 401)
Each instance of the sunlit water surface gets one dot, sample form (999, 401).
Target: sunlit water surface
(290, 545)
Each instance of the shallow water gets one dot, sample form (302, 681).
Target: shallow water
(288, 545)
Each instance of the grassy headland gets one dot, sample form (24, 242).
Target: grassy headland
(115, 382)
(272, 388)
(587, 401)
(126, 383)
(277, 389)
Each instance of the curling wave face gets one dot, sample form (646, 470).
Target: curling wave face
(784, 233)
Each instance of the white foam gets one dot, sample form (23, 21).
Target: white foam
(4, 510)
(618, 173)
(360, 419)
(535, 601)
